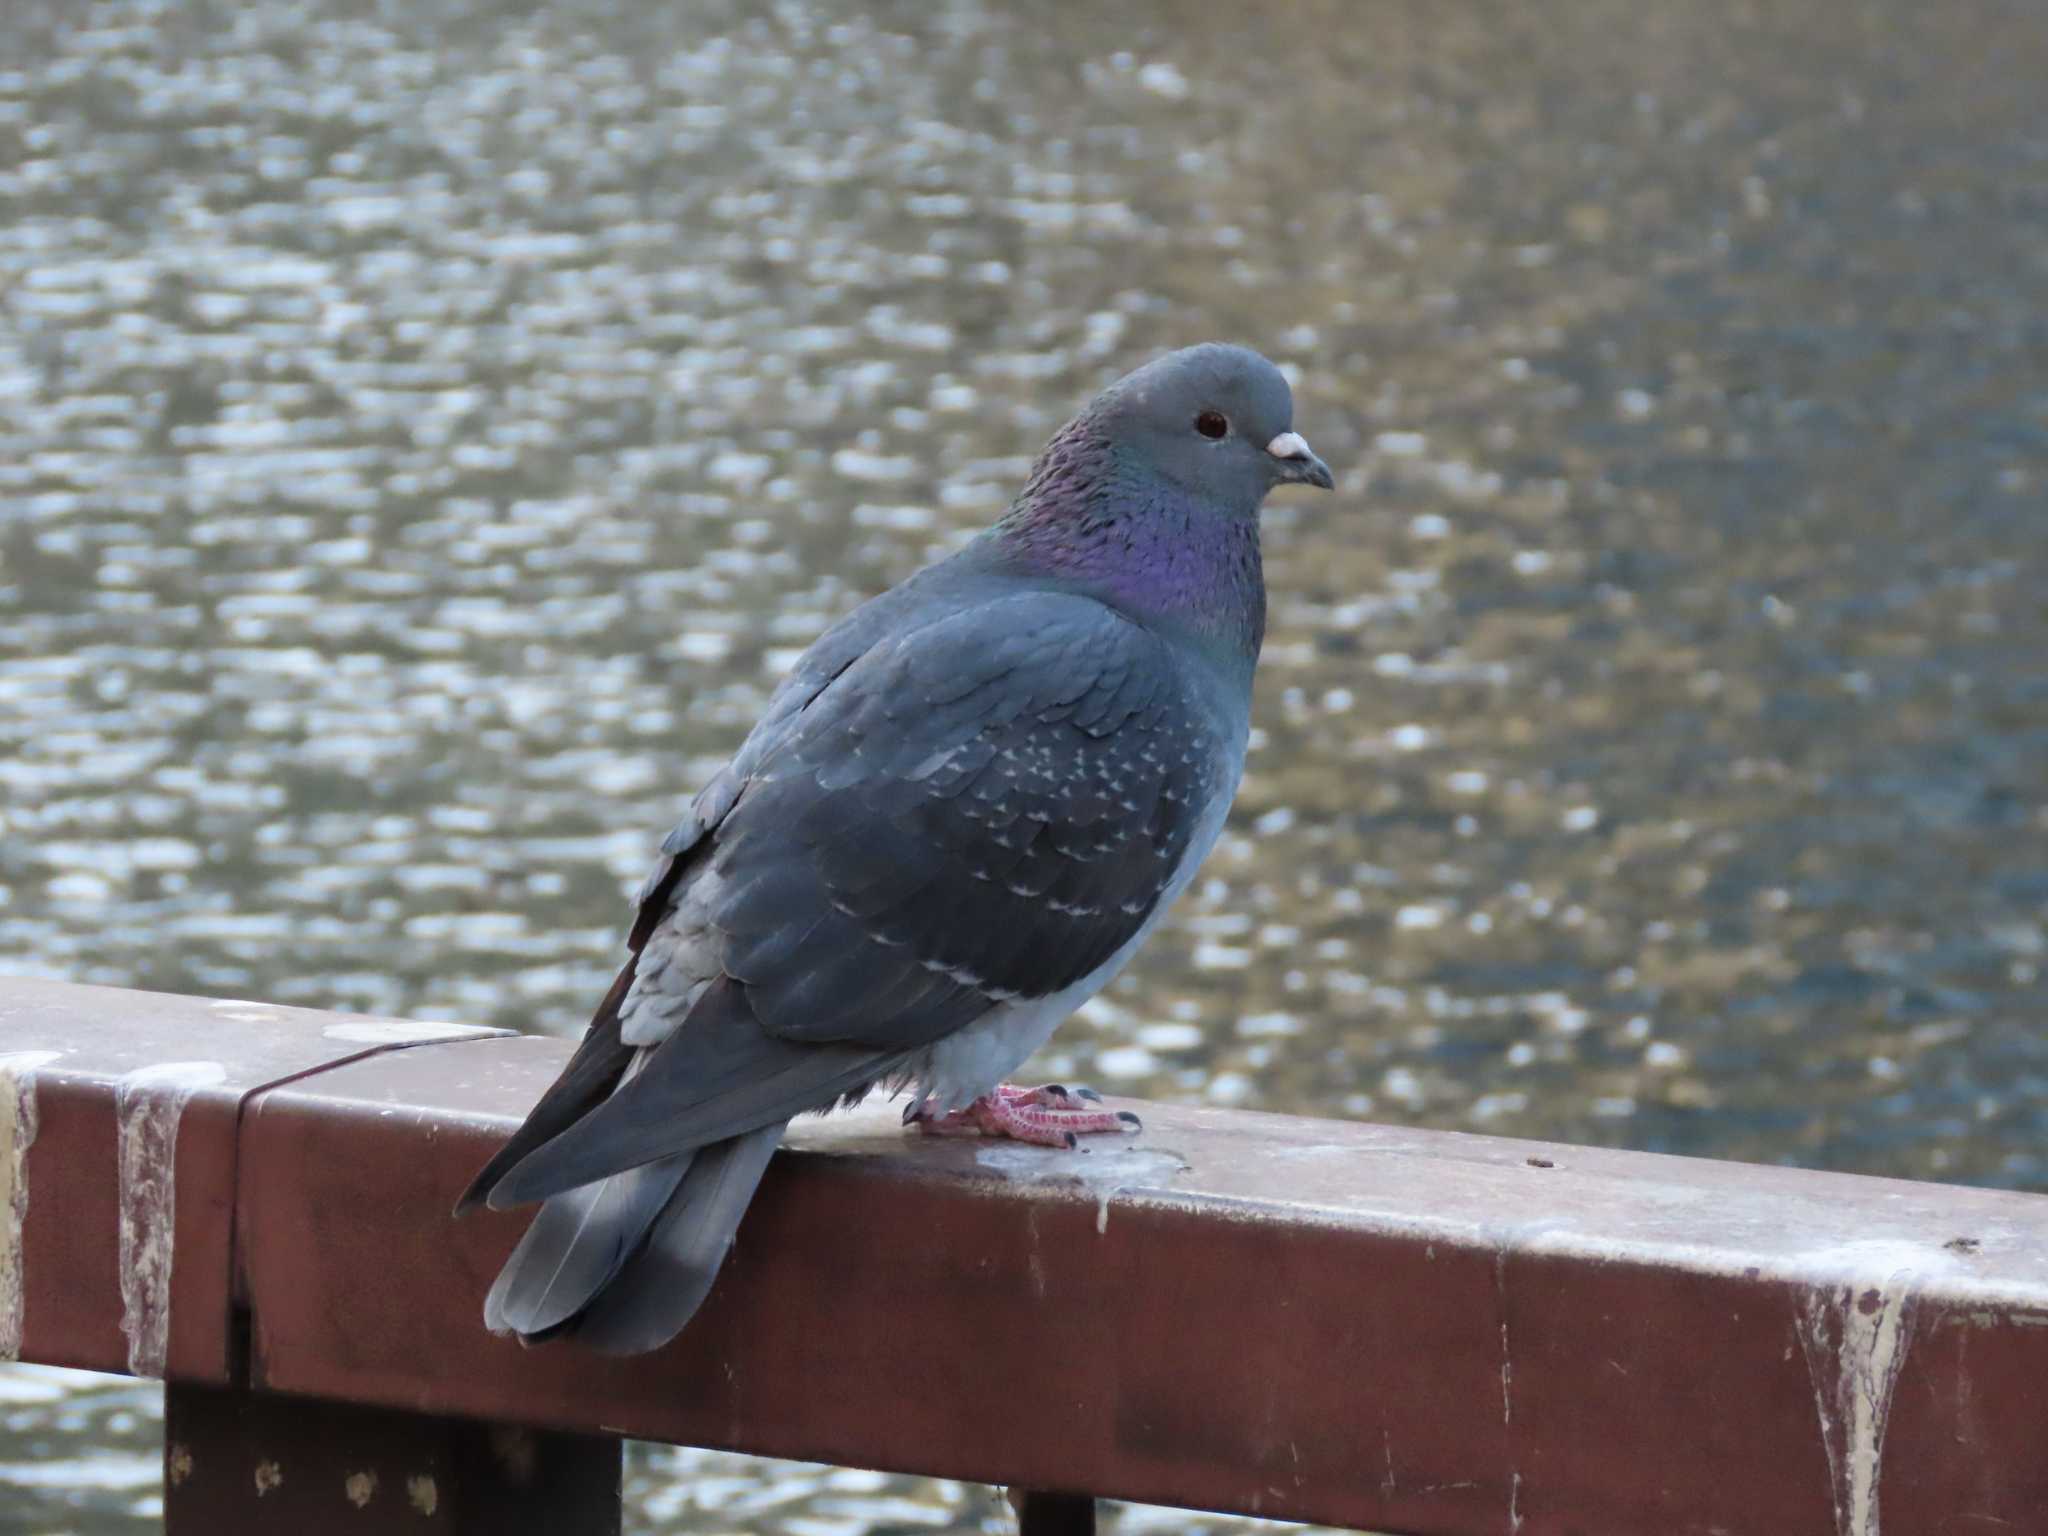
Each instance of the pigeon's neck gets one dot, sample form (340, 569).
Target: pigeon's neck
(1141, 544)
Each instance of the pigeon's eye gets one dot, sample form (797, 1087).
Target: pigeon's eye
(1212, 424)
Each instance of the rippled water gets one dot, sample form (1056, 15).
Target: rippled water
(427, 430)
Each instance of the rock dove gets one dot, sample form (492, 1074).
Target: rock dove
(960, 814)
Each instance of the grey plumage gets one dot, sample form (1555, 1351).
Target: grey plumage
(577, 1244)
(957, 817)
(672, 1275)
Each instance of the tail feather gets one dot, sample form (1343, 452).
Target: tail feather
(644, 1161)
(577, 1243)
(601, 1060)
(718, 1078)
(661, 1287)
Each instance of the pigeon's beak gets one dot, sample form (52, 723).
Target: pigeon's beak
(1297, 462)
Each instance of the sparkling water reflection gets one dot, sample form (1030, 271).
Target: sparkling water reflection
(427, 431)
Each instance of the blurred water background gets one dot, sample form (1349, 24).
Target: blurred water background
(427, 430)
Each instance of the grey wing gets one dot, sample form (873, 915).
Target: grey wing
(815, 671)
(994, 821)
(986, 808)
(608, 1049)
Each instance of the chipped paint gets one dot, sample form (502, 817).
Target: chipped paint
(269, 1475)
(177, 1463)
(1507, 1382)
(402, 1032)
(148, 1104)
(1035, 1262)
(1507, 1358)
(360, 1487)
(17, 1132)
(423, 1494)
(1855, 1334)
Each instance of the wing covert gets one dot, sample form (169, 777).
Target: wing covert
(987, 808)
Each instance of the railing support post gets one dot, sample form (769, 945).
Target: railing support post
(1054, 1514)
(240, 1463)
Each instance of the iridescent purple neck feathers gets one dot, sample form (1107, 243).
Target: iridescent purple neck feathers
(1143, 544)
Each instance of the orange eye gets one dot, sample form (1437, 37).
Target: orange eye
(1212, 424)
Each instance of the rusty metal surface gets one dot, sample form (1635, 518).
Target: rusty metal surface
(242, 1464)
(1404, 1331)
(121, 1112)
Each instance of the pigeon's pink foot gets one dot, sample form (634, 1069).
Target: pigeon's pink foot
(1051, 1116)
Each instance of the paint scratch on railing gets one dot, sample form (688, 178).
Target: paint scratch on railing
(1855, 1335)
(17, 1132)
(147, 1106)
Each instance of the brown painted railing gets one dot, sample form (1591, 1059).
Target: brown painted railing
(1397, 1330)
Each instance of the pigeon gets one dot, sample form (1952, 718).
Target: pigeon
(960, 814)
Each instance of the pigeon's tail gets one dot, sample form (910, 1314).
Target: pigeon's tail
(643, 1160)
(577, 1245)
(663, 1285)
(624, 1263)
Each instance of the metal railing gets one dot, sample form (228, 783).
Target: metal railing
(1398, 1330)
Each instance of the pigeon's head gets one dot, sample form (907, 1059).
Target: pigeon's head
(1150, 497)
(1215, 420)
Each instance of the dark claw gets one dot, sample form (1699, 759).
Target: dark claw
(1073, 1141)
(1130, 1119)
(910, 1112)
(1089, 1094)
